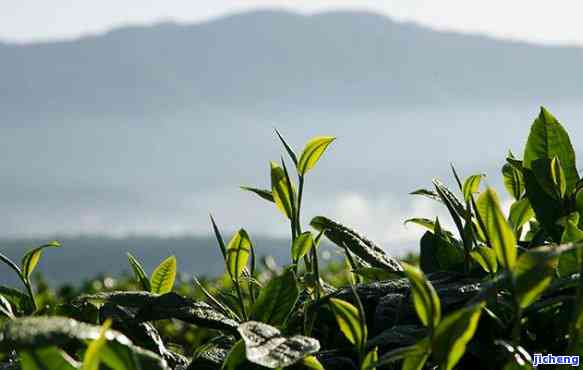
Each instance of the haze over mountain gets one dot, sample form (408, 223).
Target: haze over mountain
(144, 130)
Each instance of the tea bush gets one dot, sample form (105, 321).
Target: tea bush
(486, 295)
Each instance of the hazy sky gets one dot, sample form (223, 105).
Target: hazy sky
(532, 20)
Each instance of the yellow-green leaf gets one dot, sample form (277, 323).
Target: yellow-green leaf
(31, 258)
(425, 299)
(312, 363)
(471, 186)
(162, 279)
(558, 176)
(302, 245)
(349, 321)
(92, 355)
(520, 213)
(139, 272)
(453, 334)
(486, 257)
(312, 153)
(498, 232)
(282, 194)
(238, 251)
(534, 272)
(370, 360)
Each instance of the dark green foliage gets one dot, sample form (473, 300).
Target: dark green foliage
(484, 295)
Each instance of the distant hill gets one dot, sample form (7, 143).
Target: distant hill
(274, 60)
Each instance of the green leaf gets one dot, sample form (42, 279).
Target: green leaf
(48, 358)
(570, 261)
(513, 180)
(486, 257)
(558, 176)
(238, 251)
(277, 300)
(348, 320)
(302, 245)
(139, 272)
(266, 346)
(263, 193)
(6, 308)
(19, 301)
(471, 186)
(31, 258)
(548, 139)
(452, 203)
(415, 356)
(520, 213)
(219, 237)
(236, 359)
(288, 148)
(312, 153)
(453, 334)
(547, 209)
(425, 299)
(374, 273)
(361, 246)
(163, 276)
(370, 360)
(283, 195)
(533, 273)
(439, 253)
(498, 232)
(92, 355)
(311, 362)
(425, 222)
(430, 194)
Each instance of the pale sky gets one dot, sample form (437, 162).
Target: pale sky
(557, 21)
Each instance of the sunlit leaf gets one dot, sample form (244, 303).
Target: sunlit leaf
(262, 193)
(453, 334)
(312, 153)
(486, 258)
(520, 213)
(425, 299)
(348, 320)
(548, 139)
(163, 276)
(302, 245)
(92, 355)
(5, 307)
(47, 358)
(31, 258)
(139, 272)
(238, 251)
(282, 194)
(276, 300)
(472, 185)
(498, 232)
(370, 360)
(533, 273)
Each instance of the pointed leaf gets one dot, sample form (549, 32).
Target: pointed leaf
(425, 299)
(283, 195)
(162, 279)
(520, 213)
(513, 181)
(348, 320)
(534, 272)
(498, 232)
(302, 245)
(288, 148)
(277, 300)
(425, 222)
(548, 139)
(139, 272)
(312, 153)
(6, 308)
(486, 257)
(472, 185)
(31, 258)
(238, 251)
(92, 355)
(263, 193)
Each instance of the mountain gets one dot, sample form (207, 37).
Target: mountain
(277, 60)
(144, 130)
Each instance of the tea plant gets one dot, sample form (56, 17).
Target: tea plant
(483, 296)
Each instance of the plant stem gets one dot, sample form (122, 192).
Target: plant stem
(240, 296)
(300, 194)
(31, 294)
